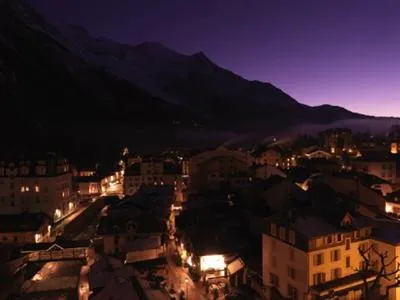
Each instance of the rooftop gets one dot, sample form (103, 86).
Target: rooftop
(26, 222)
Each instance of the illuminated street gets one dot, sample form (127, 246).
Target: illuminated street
(59, 228)
(180, 279)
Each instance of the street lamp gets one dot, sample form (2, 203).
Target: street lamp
(187, 292)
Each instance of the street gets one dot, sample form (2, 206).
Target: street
(59, 227)
(179, 279)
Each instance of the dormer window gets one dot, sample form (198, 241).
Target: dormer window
(282, 233)
(273, 229)
(292, 238)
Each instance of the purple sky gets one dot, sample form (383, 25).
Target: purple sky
(341, 52)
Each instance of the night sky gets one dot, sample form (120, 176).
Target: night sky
(340, 52)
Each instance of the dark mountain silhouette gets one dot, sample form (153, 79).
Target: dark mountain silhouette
(56, 81)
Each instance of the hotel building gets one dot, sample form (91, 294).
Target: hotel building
(308, 257)
(33, 186)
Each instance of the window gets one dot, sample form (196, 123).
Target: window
(339, 237)
(291, 254)
(292, 237)
(318, 259)
(348, 262)
(282, 233)
(27, 188)
(336, 273)
(273, 229)
(22, 189)
(274, 263)
(335, 255)
(329, 239)
(318, 278)
(273, 245)
(292, 293)
(348, 244)
(291, 273)
(274, 280)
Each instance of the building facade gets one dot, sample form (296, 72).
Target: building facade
(382, 167)
(218, 167)
(153, 172)
(311, 259)
(34, 186)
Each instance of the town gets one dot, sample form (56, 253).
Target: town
(316, 217)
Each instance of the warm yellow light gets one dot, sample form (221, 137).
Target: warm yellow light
(27, 188)
(388, 208)
(190, 261)
(333, 150)
(215, 262)
(37, 189)
(57, 213)
(70, 205)
(49, 228)
(393, 148)
(38, 237)
(22, 189)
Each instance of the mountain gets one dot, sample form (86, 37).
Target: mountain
(48, 91)
(60, 85)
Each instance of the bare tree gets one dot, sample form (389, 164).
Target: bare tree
(378, 264)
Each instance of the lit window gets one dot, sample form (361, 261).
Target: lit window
(37, 189)
(27, 188)
(22, 189)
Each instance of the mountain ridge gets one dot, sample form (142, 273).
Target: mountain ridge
(57, 81)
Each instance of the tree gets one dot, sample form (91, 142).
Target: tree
(380, 264)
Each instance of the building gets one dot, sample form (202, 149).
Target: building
(309, 256)
(218, 167)
(267, 171)
(394, 139)
(88, 186)
(317, 153)
(153, 172)
(24, 228)
(144, 215)
(337, 140)
(382, 166)
(32, 186)
(271, 156)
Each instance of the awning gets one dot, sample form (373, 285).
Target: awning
(235, 266)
